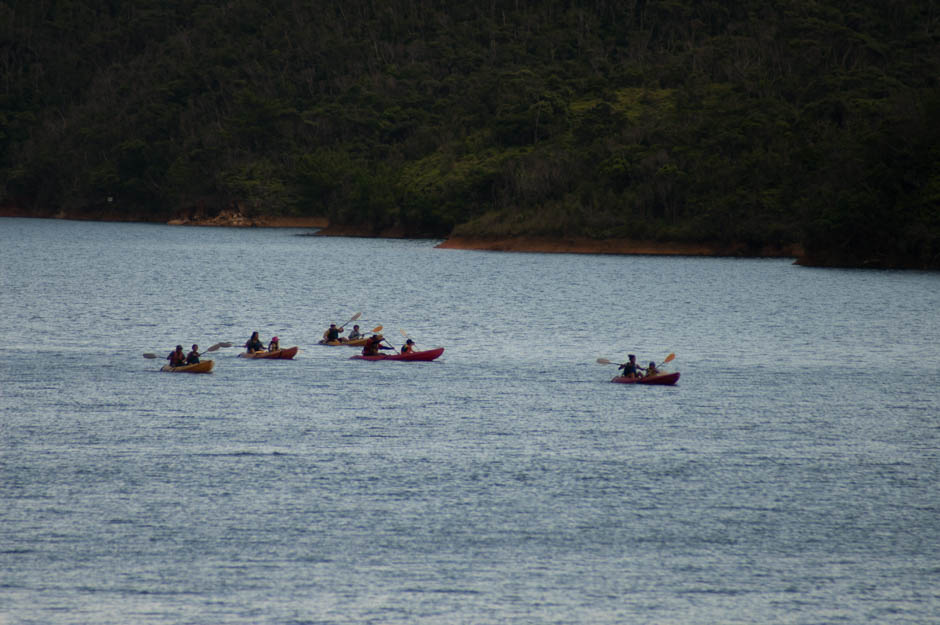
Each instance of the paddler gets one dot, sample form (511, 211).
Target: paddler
(354, 334)
(630, 368)
(274, 345)
(333, 333)
(408, 347)
(651, 370)
(192, 358)
(254, 344)
(177, 358)
(372, 346)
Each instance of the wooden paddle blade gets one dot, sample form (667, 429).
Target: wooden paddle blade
(377, 329)
(150, 355)
(403, 333)
(604, 361)
(669, 358)
(212, 348)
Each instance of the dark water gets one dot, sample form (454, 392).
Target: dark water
(791, 476)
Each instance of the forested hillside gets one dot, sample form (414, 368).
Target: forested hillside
(761, 122)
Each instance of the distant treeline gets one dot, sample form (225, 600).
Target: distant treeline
(758, 122)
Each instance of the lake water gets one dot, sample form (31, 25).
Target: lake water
(792, 476)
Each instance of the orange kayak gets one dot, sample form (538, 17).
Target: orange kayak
(204, 366)
(352, 343)
(286, 353)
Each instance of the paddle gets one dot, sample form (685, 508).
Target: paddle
(354, 317)
(604, 361)
(405, 334)
(211, 348)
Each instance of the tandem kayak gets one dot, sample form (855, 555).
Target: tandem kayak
(423, 356)
(666, 379)
(204, 366)
(352, 343)
(287, 352)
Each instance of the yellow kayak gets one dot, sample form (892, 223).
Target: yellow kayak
(204, 366)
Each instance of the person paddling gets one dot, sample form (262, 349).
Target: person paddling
(333, 333)
(192, 358)
(651, 370)
(372, 346)
(354, 333)
(274, 345)
(254, 344)
(630, 368)
(408, 347)
(177, 358)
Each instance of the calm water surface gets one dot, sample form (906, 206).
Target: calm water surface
(791, 477)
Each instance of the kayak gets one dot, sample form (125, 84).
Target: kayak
(203, 366)
(667, 379)
(352, 343)
(423, 356)
(287, 352)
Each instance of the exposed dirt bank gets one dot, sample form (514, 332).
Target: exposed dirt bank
(612, 246)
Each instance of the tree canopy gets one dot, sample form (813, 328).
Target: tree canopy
(762, 123)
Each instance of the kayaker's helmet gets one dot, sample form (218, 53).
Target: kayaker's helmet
(274, 339)
(409, 342)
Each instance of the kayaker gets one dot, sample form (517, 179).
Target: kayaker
(254, 344)
(333, 333)
(372, 346)
(408, 347)
(630, 368)
(192, 357)
(274, 345)
(177, 358)
(354, 334)
(652, 370)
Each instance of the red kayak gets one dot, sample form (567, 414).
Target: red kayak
(425, 356)
(287, 352)
(667, 379)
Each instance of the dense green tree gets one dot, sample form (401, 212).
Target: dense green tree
(788, 122)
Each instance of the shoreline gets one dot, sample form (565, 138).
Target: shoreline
(226, 219)
(583, 245)
(524, 244)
